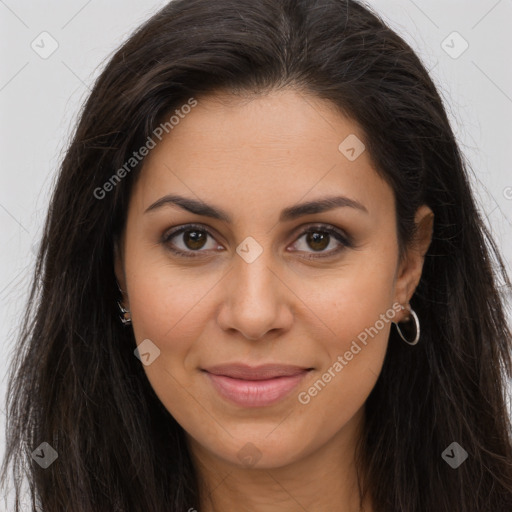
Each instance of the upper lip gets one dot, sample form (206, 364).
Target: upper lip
(263, 372)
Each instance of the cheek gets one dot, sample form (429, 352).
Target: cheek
(170, 313)
(354, 297)
(355, 347)
(165, 298)
(168, 310)
(354, 309)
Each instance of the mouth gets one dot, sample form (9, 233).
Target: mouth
(260, 386)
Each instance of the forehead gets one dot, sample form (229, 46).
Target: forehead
(252, 153)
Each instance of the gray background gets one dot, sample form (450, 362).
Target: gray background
(40, 98)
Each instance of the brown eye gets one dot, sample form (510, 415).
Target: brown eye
(190, 241)
(318, 240)
(194, 239)
(319, 237)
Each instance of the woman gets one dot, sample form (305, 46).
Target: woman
(271, 194)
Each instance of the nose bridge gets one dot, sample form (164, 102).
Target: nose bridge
(253, 278)
(256, 301)
(254, 274)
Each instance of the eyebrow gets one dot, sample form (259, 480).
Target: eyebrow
(290, 213)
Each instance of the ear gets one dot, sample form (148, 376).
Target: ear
(119, 269)
(411, 266)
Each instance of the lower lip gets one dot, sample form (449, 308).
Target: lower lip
(255, 393)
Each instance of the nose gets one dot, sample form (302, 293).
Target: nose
(256, 300)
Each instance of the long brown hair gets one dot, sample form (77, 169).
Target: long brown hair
(75, 382)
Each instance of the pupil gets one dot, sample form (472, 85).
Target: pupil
(193, 239)
(316, 238)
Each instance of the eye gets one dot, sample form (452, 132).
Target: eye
(318, 238)
(194, 238)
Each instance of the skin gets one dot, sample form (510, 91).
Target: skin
(252, 158)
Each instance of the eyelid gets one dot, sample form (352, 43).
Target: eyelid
(344, 239)
(171, 233)
(321, 226)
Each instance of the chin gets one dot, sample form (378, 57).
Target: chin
(258, 451)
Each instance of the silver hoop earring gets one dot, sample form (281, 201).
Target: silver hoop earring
(124, 316)
(417, 326)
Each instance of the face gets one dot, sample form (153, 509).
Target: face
(254, 279)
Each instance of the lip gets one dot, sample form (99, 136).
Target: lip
(259, 386)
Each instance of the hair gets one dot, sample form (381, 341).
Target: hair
(74, 381)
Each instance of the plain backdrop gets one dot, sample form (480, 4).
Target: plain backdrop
(465, 44)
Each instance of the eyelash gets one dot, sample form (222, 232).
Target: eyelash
(345, 241)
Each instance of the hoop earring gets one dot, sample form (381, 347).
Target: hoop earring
(124, 316)
(417, 326)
